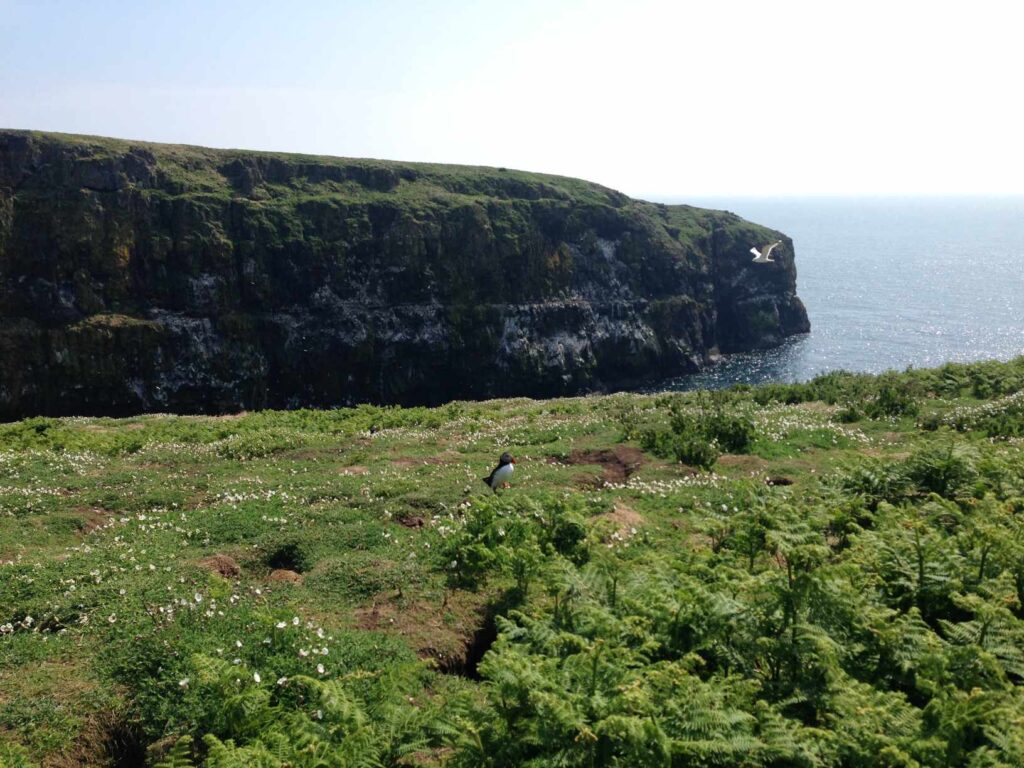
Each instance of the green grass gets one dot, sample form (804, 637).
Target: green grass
(863, 610)
(199, 174)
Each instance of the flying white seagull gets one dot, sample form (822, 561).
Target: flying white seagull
(766, 257)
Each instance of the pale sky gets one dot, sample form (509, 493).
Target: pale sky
(656, 99)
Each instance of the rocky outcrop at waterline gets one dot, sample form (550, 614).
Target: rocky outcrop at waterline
(143, 277)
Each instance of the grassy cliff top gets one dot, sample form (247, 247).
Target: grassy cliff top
(834, 571)
(291, 177)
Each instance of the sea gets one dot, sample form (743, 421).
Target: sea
(889, 284)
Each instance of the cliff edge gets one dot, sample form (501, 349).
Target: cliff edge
(145, 277)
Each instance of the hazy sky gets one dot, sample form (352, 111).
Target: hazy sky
(652, 98)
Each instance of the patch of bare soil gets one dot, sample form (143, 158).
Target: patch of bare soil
(623, 515)
(617, 464)
(283, 574)
(354, 470)
(881, 453)
(778, 480)
(225, 565)
(406, 463)
(410, 521)
(310, 454)
(701, 541)
(452, 634)
(623, 518)
(430, 757)
(93, 518)
(448, 457)
(741, 462)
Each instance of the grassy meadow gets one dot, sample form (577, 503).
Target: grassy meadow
(820, 574)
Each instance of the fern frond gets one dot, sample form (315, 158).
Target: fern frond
(180, 755)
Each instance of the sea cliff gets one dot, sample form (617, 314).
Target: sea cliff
(141, 277)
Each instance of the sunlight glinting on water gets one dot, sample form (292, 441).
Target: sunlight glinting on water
(890, 283)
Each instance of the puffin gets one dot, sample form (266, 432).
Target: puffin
(766, 257)
(501, 474)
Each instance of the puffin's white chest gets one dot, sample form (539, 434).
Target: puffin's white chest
(502, 475)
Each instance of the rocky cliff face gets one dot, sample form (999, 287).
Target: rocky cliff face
(142, 277)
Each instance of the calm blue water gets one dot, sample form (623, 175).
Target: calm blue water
(890, 283)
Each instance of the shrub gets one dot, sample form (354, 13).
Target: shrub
(894, 398)
(628, 418)
(695, 452)
(1002, 418)
(874, 482)
(945, 472)
(258, 443)
(733, 432)
(849, 414)
(689, 448)
(514, 537)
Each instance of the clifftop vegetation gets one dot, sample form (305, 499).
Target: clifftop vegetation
(291, 179)
(834, 578)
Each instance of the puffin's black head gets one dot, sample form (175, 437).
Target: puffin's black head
(506, 458)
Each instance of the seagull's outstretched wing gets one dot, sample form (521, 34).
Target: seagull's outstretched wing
(768, 253)
(757, 253)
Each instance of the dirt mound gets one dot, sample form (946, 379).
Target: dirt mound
(94, 518)
(623, 515)
(617, 464)
(224, 565)
(407, 462)
(283, 574)
(624, 519)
